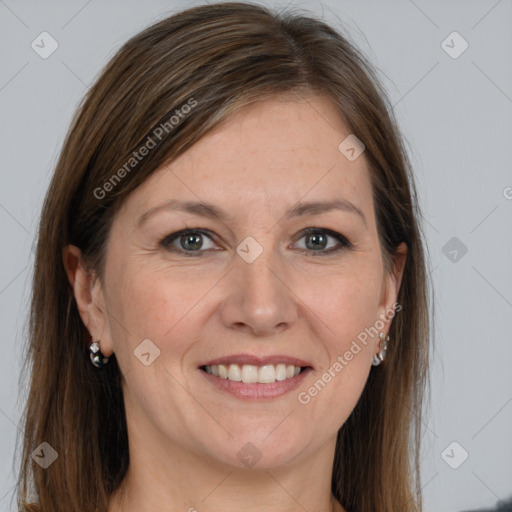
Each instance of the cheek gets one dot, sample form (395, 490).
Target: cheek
(346, 312)
(345, 309)
(347, 303)
(149, 304)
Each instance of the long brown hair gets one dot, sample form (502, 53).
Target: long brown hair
(222, 57)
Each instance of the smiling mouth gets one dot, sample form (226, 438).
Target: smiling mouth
(252, 374)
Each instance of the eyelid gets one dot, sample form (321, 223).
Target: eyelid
(172, 237)
(343, 242)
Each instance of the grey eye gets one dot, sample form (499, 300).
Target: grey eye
(191, 242)
(316, 241)
(187, 241)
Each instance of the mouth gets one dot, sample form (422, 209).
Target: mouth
(252, 374)
(250, 377)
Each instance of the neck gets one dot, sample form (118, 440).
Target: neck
(231, 492)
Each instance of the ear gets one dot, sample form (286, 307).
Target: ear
(89, 297)
(391, 285)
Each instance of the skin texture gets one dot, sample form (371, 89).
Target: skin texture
(185, 433)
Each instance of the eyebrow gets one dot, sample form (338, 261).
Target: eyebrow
(204, 209)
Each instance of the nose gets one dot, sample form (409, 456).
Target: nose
(259, 300)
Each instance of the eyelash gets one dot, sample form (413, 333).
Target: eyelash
(169, 239)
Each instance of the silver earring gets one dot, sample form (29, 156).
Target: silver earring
(97, 358)
(383, 345)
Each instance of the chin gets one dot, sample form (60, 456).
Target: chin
(264, 452)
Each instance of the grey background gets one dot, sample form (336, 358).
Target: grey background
(456, 115)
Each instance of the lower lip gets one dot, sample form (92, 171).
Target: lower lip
(257, 391)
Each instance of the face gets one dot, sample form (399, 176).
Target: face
(257, 286)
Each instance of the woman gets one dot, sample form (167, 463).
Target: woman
(229, 303)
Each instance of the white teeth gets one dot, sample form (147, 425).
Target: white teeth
(223, 371)
(234, 373)
(267, 374)
(250, 374)
(280, 371)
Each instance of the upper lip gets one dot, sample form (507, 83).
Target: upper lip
(242, 359)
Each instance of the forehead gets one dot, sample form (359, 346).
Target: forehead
(268, 154)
